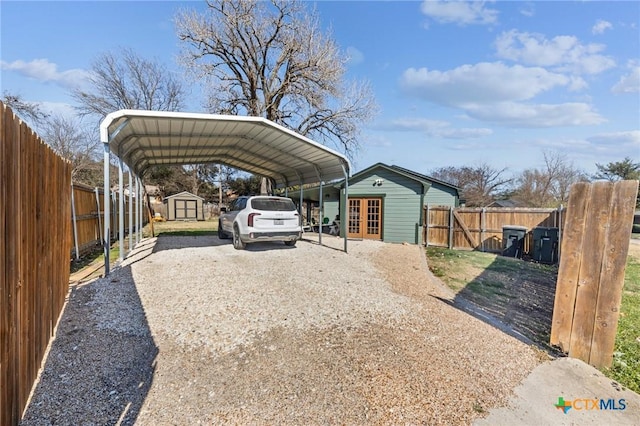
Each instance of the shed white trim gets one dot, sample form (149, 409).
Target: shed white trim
(183, 193)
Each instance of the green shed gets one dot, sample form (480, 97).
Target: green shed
(385, 202)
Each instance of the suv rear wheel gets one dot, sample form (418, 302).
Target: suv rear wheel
(290, 243)
(237, 242)
(221, 234)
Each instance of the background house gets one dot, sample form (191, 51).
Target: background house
(385, 202)
(184, 206)
(505, 203)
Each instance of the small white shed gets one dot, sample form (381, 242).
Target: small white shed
(184, 206)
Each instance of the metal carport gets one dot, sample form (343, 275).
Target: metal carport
(142, 139)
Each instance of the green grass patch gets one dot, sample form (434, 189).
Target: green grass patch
(458, 268)
(184, 229)
(187, 233)
(626, 356)
(488, 288)
(96, 257)
(488, 279)
(632, 276)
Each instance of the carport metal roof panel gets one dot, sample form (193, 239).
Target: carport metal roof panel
(146, 138)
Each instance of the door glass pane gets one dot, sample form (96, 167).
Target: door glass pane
(373, 217)
(354, 217)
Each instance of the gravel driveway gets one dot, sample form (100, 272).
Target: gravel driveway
(191, 331)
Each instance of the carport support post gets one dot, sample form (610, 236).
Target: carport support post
(301, 198)
(344, 221)
(321, 218)
(106, 243)
(130, 212)
(138, 210)
(135, 215)
(120, 208)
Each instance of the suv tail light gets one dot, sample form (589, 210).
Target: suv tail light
(299, 218)
(250, 218)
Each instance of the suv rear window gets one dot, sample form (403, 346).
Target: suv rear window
(273, 204)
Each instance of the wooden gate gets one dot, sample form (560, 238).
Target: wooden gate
(365, 218)
(474, 228)
(591, 274)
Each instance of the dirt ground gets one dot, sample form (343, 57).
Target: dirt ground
(519, 295)
(190, 331)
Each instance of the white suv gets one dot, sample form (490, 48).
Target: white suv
(260, 218)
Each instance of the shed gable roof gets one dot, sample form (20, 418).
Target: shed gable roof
(183, 194)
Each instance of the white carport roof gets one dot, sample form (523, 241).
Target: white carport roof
(142, 139)
(146, 138)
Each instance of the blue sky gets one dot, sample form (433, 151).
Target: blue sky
(457, 83)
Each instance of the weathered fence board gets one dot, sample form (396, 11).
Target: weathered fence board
(612, 276)
(591, 273)
(568, 272)
(35, 189)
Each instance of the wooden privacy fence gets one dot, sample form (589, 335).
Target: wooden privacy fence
(591, 274)
(35, 201)
(470, 228)
(87, 216)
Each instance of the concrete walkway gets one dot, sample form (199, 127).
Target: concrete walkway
(579, 384)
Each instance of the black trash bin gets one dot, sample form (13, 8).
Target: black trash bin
(513, 240)
(545, 245)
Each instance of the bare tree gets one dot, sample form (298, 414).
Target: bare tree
(127, 81)
(548, 186)
(272, 60)
(69, 139)
(27, 111)
(199, 175)
(479, 185)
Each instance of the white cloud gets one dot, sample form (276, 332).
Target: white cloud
(627, 138)
(480, 83)
(528, 9)
(377, 140)
(45, 71)
(629, 83)
(466, 133)
(438, 128)
(565, 53)
(601, 26)
(514, 114)
(459, 12)
(59, 108)
(577, 84)
(501, 94)
(354, 56)
(417, 124)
